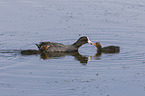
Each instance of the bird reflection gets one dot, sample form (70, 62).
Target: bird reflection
(98, 55)
(56, 55)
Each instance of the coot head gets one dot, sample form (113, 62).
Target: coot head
(98, 45)
(81, 41)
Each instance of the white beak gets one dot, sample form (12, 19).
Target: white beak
(90, 42)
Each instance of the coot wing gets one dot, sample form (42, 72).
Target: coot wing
(52, 44)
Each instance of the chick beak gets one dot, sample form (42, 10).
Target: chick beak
(94, 44)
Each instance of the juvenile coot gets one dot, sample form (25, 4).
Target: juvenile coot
(58, 47)
(108, 49)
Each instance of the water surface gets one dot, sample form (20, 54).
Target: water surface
(26, 22)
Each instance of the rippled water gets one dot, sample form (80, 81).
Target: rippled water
(26, 22)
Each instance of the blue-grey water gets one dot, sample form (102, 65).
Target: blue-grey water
(110, 22)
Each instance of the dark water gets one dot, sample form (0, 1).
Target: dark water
(26, 22)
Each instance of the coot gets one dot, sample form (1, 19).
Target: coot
(58, 47)
(108, 49)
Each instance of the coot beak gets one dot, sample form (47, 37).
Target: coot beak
(90, 42)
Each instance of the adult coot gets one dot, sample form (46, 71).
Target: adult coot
(58, 47)
(108, 49)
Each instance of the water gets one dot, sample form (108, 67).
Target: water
(26, 22)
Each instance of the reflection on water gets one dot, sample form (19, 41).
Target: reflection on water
(57, 55)
(26, 22)
(97, 56)
(99, 53)
(48, 55)
(77, 55)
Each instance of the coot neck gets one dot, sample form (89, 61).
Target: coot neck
(99, 47)
(78, 44)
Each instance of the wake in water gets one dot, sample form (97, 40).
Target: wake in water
(23, 52)
(10, 51)
(48, 55)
